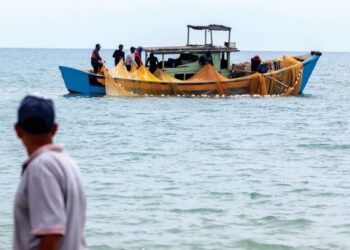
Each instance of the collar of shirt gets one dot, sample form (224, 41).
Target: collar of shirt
(45, 148)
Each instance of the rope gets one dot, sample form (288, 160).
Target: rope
(220, 89)
(277, 81)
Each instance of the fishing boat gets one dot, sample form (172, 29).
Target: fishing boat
(180, 73)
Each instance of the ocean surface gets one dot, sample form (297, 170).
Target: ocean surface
(193, 173)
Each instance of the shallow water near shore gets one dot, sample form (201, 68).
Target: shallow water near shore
(194, 173)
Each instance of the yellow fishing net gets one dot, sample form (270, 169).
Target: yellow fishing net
(207, 81)
(113, 86)
(287, 80)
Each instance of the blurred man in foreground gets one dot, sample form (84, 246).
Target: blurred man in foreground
(50, 202)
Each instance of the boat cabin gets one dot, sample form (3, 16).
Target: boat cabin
(182, 62)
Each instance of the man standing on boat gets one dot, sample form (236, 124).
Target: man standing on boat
(153, 63)
(255, 63)
(96, 59)
(206, 59)
(130, 59)
(138, 58)
(50, 203)
(119, 54)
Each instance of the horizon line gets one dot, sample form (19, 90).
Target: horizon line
(247, 50)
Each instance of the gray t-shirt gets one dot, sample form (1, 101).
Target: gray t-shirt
(50, 200)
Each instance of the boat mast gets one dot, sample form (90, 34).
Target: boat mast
(188, 35)
(229, 37)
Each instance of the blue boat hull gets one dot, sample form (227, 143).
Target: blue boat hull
(308, 67)
(83, 82)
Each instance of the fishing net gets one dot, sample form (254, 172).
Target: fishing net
(207, 81)
(113, 86)
(287, 80)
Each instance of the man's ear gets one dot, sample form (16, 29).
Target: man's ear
(19, 130)
(54, 129)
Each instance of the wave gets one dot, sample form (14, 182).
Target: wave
(252, 244)
(198, 210)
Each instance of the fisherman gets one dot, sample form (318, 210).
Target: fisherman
(50, 203)
(255, 63)
(153, 63)
(96, 59)
(119, 54)
(130, 59)
(138, 58)
(206, 59)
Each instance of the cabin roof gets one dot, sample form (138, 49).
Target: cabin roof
(210, 27)
(189, 49)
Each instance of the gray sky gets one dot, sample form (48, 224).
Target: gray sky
(294, 25)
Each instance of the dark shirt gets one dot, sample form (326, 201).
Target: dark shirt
(153, 61)
(205, 60)
(95, 56)
(118, 54)
(255, 64)
(208, 60)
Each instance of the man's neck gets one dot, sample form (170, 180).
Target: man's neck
(35, 146)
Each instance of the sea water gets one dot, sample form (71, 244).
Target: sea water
(193, 173)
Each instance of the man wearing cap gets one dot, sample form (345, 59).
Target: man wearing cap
(50, 202)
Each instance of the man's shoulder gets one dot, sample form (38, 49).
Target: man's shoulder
(50, 160)
(119, 52)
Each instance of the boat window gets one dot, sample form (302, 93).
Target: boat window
(223, 61)
(188, 76)
(182, 59)
(183, 76)
(180, 76)
(186, 59)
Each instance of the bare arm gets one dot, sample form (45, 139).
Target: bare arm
(49, 242)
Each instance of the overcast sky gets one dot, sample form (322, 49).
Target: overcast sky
(294, 25)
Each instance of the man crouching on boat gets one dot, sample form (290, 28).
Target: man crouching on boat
(96, 59)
